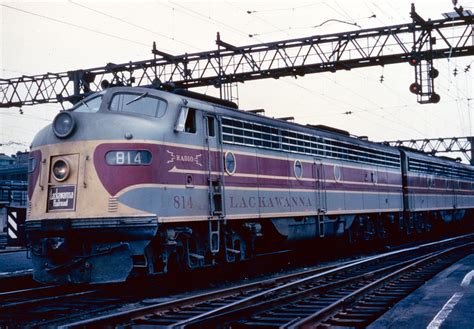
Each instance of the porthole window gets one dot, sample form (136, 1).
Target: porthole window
(230, 163)
(298, 169)
(337, 173)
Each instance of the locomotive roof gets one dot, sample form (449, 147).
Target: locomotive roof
(321, 131)
(215, 105)
(414, 154)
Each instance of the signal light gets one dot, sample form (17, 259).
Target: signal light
(415, 88)
(413, 61)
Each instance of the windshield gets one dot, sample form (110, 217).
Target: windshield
(139, 104)
(90, 106)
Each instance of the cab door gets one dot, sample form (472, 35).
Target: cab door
(215, 178)
(320, 191)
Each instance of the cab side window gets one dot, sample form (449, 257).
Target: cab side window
(211, 131)
(190, 124)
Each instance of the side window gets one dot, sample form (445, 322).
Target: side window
(183, 113)
(190, 124)
(90, 106)
(211, 130)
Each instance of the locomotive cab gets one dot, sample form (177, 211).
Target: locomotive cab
(76, 228)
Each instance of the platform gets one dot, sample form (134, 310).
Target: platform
(446, 301)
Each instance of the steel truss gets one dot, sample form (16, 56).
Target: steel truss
(421, 40)
(433, 146)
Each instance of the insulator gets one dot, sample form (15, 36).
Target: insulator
(434, 73)
(104, 84)
(435, 98)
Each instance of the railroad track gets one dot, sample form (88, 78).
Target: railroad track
(54, 305)
(11, 250)
(44, 306)
(17, 280)
(25, 305)
(351, 294)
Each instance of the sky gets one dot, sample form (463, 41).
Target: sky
(56, 36)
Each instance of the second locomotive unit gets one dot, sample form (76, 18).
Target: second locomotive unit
(135, 181)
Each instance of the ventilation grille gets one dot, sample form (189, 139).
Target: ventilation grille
(29, 209)
(113, 204)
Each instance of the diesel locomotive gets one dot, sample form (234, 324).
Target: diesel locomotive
(135, 181)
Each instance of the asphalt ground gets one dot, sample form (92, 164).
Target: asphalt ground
(446, 301)
(14, 259)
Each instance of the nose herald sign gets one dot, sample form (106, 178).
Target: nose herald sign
(62, 197)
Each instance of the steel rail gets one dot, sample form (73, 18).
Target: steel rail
(195, 317)
(13, 250)
(322, 315)
(298, 294)
(255, 303)
(37, 295)
(125, 315)
(46, 306)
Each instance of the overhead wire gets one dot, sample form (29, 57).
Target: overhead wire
(286, 8)
(447, 64)
(348, 16)
(132, 24)
(388, 46)
(364, 97)
(358, 110)
(203, 17)
(385, 85)
(298, 85)
(85, 28)
(228, 26)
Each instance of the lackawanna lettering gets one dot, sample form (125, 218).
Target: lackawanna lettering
(266, 202)
(62, 198)
(62, 195)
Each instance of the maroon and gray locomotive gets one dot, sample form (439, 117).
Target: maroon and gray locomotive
(135, 181)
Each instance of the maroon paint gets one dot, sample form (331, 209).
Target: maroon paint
(164, 158)
(33, 176)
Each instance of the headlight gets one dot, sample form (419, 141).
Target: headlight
(63, 124)
(60, 170)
